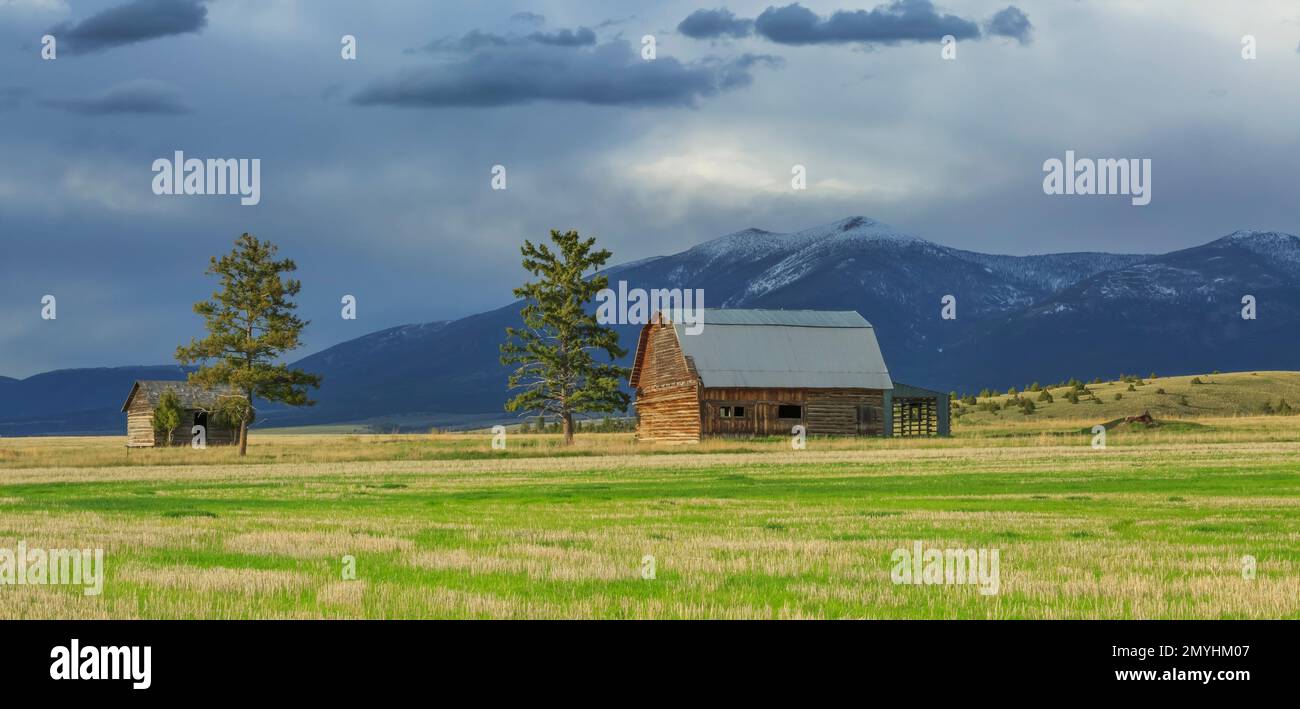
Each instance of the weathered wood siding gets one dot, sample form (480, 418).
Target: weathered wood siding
(668, 392)
(672, 405)
(140, 433)
(840, 412)
(826, 412)
(139, 424)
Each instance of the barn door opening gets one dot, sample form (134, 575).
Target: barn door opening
(915, 416)
(870, 420)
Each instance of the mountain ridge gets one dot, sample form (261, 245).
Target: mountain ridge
(1019, 318)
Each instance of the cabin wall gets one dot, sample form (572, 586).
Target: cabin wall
(140, 433)
(217, 435)
(668, 393)
(139, 424)
(825, 412)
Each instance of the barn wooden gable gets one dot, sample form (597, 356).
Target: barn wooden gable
(756, 372)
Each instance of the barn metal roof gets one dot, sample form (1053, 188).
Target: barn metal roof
(191, 396)
(788, 318)
(785, 349)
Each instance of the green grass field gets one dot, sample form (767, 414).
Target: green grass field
(1153, 526)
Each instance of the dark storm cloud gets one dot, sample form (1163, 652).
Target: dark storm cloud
(475, 40)
(583, 37)
(141, 96)
(133, 22)
(1010, 22)
(899, 21)
(468, 42)
(612, 74)
(531, 18)
(714, 24)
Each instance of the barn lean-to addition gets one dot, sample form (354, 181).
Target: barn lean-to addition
(197, 403)
(762, 372)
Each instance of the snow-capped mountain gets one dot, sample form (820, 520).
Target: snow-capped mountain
(1019, 319)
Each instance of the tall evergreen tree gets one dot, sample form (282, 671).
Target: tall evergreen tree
(554, 352)
(251, 324)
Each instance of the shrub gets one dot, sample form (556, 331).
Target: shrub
(1118, 396)
(1197, 380)
(1045, 395)
(1132, 388)
(167, 415)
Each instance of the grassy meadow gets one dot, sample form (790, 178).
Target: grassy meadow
(1153, 526)
(1148, 527)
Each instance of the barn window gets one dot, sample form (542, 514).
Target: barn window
(724, 412)
(201, 419)
(789, 411)
(738, 412)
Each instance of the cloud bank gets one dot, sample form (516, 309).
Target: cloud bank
(894, 23)
(137, 21)
(499, 71)
(142, 96)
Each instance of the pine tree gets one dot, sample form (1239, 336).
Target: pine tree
(554, 351)
(250, 323)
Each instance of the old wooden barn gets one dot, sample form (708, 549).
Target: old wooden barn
(762, 372)
(198, 404)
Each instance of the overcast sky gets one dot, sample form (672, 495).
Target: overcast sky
(376, 173)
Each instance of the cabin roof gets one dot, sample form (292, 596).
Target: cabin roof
(792, 349)
(192, 396)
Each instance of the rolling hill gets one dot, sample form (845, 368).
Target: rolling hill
(1187, 396)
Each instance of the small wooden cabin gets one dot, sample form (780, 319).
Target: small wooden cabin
(197, 402)
(762, 372)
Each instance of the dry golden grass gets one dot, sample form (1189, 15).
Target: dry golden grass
(1153, 526)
